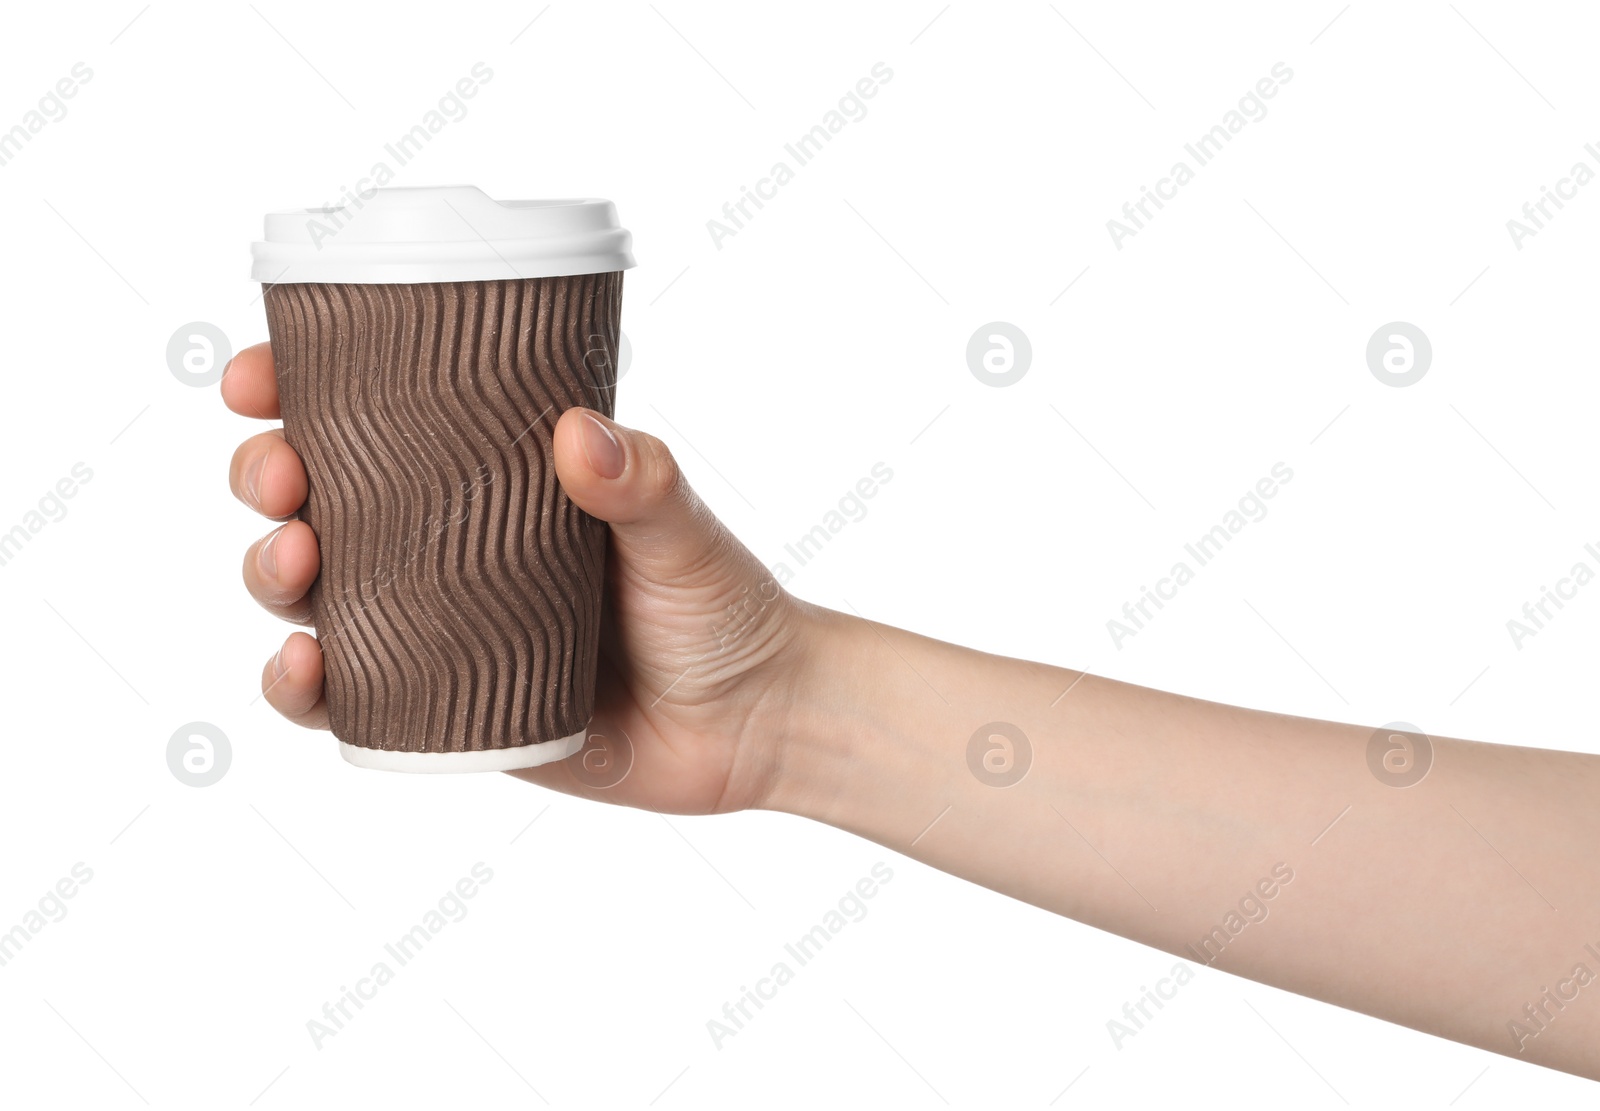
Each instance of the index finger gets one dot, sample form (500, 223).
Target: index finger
(250, 384)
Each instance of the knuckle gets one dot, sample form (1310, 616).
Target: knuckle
(663, 478)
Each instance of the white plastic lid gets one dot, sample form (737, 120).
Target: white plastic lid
(446, 233)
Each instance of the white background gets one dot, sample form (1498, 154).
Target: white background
(828, 335)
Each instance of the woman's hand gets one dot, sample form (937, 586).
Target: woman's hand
(700, 648)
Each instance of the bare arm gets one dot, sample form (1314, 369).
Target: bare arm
(1466, 905)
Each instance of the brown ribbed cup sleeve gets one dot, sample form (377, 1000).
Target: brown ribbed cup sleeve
(458, 606)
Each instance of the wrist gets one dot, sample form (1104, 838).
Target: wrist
(812, 733)
(850, 751)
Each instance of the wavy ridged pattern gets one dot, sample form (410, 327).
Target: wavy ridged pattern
(459, 601)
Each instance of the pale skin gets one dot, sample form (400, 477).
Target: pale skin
(1461, 905)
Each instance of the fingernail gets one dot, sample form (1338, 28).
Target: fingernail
(277, 665)
(267, 557)
(252, 479)
(225, 369)
(601, 446)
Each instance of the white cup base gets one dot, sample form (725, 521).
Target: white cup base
(488, 760)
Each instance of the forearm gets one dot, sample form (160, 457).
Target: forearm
(1448, 906)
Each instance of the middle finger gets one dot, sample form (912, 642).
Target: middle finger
(267, 475)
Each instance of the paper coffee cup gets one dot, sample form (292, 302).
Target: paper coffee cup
(426, 342)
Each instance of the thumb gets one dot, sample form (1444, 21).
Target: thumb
(630, 480)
